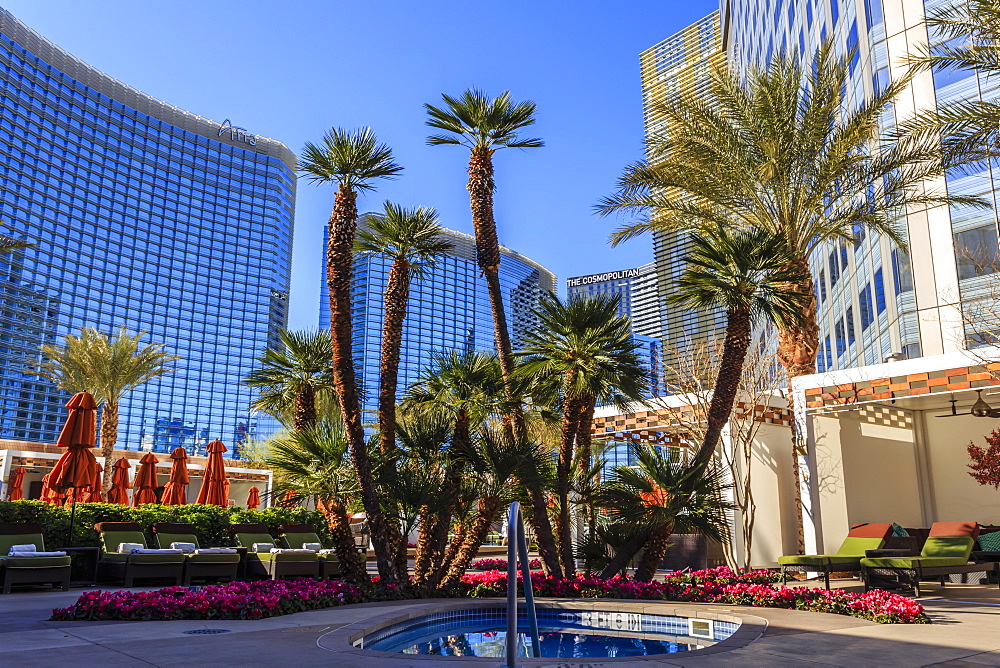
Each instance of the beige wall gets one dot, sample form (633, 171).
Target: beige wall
(773, 492)
(957, 497)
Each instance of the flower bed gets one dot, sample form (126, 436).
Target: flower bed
(256, 600)
(501, 564)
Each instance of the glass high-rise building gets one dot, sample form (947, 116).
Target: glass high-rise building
(142, 216)
(448, 309)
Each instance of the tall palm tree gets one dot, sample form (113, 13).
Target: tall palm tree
(294, 375)
(749, 273)
(351, 161)
(413, 240)
(783, 150)
(585, 347)
(313, 462)
(108, 369)
(657, 498)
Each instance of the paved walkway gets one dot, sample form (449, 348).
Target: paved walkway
(966, 632)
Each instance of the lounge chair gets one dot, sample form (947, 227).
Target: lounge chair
(297, 536)
(946, 552)
(129, 566)
(54, 570)
(197, 566)
(273, 565)
(848, 558)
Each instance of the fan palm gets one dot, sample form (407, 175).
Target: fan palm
(413, 240)
(108, 369)
(351, 161)
(294, 375)
(586, 347)
(313, 462)
(658, 497)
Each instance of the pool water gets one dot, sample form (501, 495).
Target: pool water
(563, 633)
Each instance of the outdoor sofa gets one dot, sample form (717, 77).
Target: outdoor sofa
(273, 565)
(862, 537)
(130, 566)
(298, 536)
(54, 570)
(197, 565)
(945, 552)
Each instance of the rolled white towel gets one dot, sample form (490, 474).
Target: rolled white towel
(328, 552)
(21, 548)
(39, 554)
(125, 548)
(315, 547)
(262, 547)
(152, 551)
(285, 550)
(183, 547)
(216, 550)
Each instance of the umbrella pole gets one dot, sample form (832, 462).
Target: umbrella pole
(72, 518)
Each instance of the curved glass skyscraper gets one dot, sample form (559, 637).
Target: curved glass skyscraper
(145, 217)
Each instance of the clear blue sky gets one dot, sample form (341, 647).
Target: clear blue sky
(290, 70)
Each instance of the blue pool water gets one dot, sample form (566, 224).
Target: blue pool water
(563, 633)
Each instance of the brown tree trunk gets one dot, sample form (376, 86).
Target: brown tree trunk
(109, 437)
(548, 552)
(305, 408)
(623, 556)
(340, 257)
(572, 408)
(797, 347)
(352, 565)
(489, 510)
(652, 555)
(449, 555)
(396, 292)
(422, 559)
(584, 432)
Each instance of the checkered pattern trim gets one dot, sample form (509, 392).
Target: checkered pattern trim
(912, 385)
(662, 425)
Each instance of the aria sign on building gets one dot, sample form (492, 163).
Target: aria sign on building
(600, 278)
(237, 134)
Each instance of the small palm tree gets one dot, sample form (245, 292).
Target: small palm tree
(587, 349)
(750, 275)
(657, 498)
(314, 462)
(351, 161)
(293, 376)
(413, 240)
(108, 369)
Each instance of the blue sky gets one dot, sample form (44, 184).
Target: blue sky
(291, 70)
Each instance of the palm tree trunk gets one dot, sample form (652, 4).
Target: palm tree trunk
(625, 554)
(340, 256)
(652, 555)
(305, 407)
(727, 382)
(109, 437)
(548, 552)
(797, 347)
(583, 434)
(448, 556)
(434, 536)
(422, 559)
(396, 292)
(352, 566)
(572, 409)
(489, 510)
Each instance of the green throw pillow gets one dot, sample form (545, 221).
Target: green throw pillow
(990, 542)
(899, 531)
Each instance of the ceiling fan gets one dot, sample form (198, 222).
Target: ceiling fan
(979, 409)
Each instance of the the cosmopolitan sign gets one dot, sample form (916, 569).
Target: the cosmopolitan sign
(237, 134)
(600, 278)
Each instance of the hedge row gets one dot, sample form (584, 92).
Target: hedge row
(211, 522)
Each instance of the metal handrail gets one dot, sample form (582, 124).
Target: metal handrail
(516, 539)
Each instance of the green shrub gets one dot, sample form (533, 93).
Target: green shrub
(211, 522)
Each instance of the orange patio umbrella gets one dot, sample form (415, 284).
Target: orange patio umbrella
(48, 494)
(145, 481)
(76, 469)
(213, 487)
(175, 493)
(15, 484)
(95, 495)
(253, 498)
(119, 482)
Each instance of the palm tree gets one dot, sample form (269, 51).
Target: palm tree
(313, 462)
(351, 161)
(783, 150)
(108, 369)
(749, 274)
(586, 347)
(657, 498)
(9, 243)
(294, 376)
(413, 240)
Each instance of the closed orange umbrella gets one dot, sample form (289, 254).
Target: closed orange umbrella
(119, 483)
(15, 484)
(48, 494)
(145, 481)
(253, 498)
(95, 495)
(76, 467)
(213, 487)
(175, 493)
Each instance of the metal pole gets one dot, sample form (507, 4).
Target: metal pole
(529, 594)
(517, 545)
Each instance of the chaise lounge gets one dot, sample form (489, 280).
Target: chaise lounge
(27, 568)
(298, 536)
(274, 565)
(945, 552)
(132, 565)
(217, 564)
(862, 537)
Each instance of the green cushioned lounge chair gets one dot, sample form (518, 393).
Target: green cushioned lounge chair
(30, 570)
(129, 567)
(946, 552)
(196, 566)
(272, 565)
(296, 536)
(847, 559)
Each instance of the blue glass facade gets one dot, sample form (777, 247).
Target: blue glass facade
(142, 216)
(448, 309)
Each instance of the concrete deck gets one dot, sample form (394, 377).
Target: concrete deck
(964, 633)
